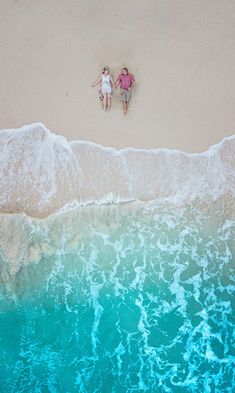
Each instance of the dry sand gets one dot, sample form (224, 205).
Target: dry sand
(180, 51)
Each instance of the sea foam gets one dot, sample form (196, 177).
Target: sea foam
(51, 188)
(41, 172)
(116, 267)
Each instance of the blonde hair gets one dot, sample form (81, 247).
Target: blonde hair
(106, 68)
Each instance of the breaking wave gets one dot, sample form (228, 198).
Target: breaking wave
(41, 172)
(116, 267)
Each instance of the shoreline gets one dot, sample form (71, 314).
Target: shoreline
(113, 148)
(183, 97)
(55, 172)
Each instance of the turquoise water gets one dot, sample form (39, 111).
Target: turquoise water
(144, 303)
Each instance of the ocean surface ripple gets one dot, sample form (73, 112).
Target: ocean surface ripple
(115, 287)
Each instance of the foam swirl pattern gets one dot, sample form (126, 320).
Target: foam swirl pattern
(114, 297)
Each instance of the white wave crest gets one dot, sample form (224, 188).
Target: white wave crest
(40, 172)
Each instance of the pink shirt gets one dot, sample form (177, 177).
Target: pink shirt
(125, 80)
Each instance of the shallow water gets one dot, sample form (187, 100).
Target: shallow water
(140, 301)
(116, 267)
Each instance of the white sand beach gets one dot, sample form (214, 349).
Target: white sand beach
(180, 51)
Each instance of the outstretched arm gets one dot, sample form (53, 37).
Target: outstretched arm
(96, 82)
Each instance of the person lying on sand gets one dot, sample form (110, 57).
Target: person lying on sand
(106, 87)
(125, 80)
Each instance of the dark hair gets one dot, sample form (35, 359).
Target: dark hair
(124, 68)
(106, 69)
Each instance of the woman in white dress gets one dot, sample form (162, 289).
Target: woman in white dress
(106, 87)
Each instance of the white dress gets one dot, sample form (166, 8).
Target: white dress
(106, 84)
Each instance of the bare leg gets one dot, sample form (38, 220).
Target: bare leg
(105, 101)
(124, 107)
(109, 101)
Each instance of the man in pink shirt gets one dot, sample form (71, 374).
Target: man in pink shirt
(125, 80)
